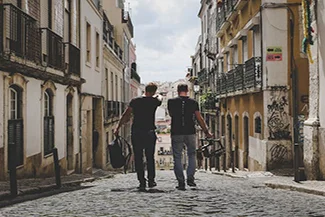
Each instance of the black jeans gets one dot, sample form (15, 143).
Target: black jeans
(144, 141)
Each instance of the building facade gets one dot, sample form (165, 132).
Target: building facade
(39, 83)
(254, 59)
(314, 129)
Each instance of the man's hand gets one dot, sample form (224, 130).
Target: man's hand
(208, 134)
(158, 96)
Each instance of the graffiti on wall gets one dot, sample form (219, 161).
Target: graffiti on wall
(279, 154)
(278, 119)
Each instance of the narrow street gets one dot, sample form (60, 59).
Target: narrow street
(214, 196)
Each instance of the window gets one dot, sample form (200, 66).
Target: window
(126, 50)
(48, 122)
(258, 125)
(88, 41)
(112, 86)
(235, 56)
(50, 14)
(244, 50)
(13, 104)
(97, 49)
(257, 42)
(121, 88)
(106, 83)
(116, 88)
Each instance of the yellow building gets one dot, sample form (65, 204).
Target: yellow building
(117, 34)
(257, 57)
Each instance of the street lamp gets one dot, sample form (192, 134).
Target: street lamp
(196, 88)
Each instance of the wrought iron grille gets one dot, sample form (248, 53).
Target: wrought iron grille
(48, 134)
(239, 77)
(16, 138)
(231, 81)
(223, 81)
(253, 73)
(74, 60)
(19, 33)
(53, 49)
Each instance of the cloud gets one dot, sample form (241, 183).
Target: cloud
(166, 34)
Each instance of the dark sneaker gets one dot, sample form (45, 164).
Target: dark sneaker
(152, 184)
(181, 186)
(191, 183)
(142, 187)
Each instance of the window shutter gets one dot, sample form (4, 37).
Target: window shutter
(46, 135)
(51, 133)
(16, 138)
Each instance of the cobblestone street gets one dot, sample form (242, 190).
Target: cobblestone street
(214, 196)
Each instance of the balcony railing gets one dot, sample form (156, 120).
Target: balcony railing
(203, 76)
(243, 77)
(120, 54)
(230, 81)
(52, 49)
(108, 30)
(253, 73)
(19, 34)
(223, 83)
(224, 11)
(73, 61)
(127, 19)
(239, 77)
(135, 75)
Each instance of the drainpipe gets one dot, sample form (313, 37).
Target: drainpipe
(80, 96)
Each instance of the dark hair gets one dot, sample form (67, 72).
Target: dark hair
(182, 88)
(151, 87)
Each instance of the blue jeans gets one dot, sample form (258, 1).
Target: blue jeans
(178, 142)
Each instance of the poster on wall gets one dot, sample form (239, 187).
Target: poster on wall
(273, 54)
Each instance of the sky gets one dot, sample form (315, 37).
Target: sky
(166, 33)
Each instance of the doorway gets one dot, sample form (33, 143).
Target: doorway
(230, 140)
(69, 132)
(15, 127)
(236, 141)
(95, 129)
(246, 141)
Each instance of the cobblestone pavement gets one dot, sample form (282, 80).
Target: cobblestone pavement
(214, 196)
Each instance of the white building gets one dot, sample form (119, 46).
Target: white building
(91, 28)
(39, 106)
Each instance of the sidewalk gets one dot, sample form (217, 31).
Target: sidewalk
(38, 185)
(277, 182)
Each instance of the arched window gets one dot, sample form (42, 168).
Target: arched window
(48, 122)
(258, 125)
(15, 102)
(16, 126)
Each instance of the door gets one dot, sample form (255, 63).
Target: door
(230, 140)
(246, 141)
(237, 142)
(70, 132)
(15, 127)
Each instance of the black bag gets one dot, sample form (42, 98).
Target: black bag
(117, 155)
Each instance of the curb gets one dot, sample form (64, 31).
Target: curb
(45, 190)
(295, 188)
(231, 175)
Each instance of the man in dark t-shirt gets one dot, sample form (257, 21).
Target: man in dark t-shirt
(143, 133)
(183, 111)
